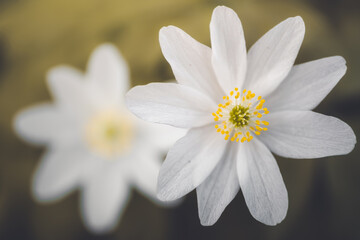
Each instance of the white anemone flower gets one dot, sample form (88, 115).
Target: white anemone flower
(94, 142)
(221, 99)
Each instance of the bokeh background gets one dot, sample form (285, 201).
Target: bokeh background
(324, 194)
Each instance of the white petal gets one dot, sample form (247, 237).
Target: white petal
(228, 48)
(190, 61)
(189, 162)
(43, 123)
(261, 183)
(70, 91)
(306, 134)
(219, 188)
(104, 199)
(171, 104)
(59, 172)
(272, 56)
(108, 71)
(307, 84)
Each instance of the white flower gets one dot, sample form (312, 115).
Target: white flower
(216, 100)
(95, 143)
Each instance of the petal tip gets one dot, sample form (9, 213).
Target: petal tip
(166, 29)
(206, 223)
(219, 10)
(207, 219)
(298, 20)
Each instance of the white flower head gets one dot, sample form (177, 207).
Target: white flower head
(95, 143)
(240, 106)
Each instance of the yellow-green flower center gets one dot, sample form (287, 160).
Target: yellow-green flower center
(239, 116)
(109, 133)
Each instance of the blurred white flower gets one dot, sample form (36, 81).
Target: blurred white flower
(94, 142)
(218, 168)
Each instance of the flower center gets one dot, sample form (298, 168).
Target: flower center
(109, 133)
(239, 116)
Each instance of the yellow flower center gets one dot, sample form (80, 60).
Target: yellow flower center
(239, 116)
(109, 133)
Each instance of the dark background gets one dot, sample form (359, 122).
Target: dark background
(324, 194)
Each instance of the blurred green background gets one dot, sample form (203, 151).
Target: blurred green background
(324, 194)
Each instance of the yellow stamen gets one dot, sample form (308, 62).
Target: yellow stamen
(239, 116)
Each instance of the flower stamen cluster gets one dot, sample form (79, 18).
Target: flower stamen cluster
(240, 116)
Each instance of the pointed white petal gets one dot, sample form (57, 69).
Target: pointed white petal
(272, 56)
(190, 61)
(228, 48)
(306, 134)
(104, 199)
(219, 188)
(261, 183)
(70, 91)
(59, 172)
(307, 84)
(43, 123)
(171, 104)
(189, 162)
(108, 72)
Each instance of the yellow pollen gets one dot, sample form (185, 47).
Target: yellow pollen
(265, 123)
(239, 115)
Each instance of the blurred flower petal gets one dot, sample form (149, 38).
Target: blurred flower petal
(70, 91)
(162, 136)
(43, 123)
(59, 172)
(109, 73)
(143, 178)
(104, 199)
